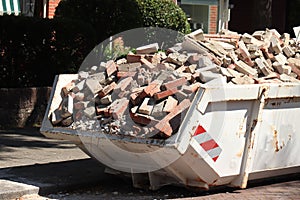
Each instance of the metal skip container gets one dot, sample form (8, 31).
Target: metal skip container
(230, 134)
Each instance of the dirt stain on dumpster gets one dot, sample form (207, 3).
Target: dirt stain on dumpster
(275, 137)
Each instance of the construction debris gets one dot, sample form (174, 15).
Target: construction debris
(147, 93)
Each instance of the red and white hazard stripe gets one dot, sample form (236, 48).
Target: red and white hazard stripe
(207, 143)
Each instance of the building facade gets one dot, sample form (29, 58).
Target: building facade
(39, 8)
(209, 15)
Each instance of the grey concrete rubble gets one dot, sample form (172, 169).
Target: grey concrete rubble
(131, 95)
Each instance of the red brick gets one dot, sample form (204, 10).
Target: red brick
(111, 67)
(161, 66)
(118, 108)
(141, 119)
(195, 76)
(174, 84)
(245, 53)
(152, 88)
(191, 88)
(195, 86)
(164, 125)
(296, 71)
(165, 93)
(132, 58)
(148, 64)
(107, 89)
(125, 74)
(123, 84)
(267, 53)
(181, 69)
(135, 98)
(102, 111)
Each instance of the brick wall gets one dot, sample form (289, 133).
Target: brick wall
(213, 19)
(51, 7)
(20, 107)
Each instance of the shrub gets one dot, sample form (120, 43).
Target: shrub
(108, 17)
(163, 13)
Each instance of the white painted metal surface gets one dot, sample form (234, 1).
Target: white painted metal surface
(230, 134)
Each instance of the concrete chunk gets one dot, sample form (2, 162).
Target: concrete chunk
(90, 112)
(157, 110)
(147, 49)
(129, 67)
(93, 85)
(106, 100)
(207, 76)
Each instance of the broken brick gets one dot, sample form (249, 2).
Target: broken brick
(165, 93)
(148, 64)
(118, 107)
(125, 74)
(164, 126)
(244, 68)
(111, 67)
(171, 103)
(123, 84)
(107, 89)
(174, 84)
(146, 107)
(132, 58)
(152, 88)
(147, 49)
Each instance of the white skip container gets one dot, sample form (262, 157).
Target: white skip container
(229, 135)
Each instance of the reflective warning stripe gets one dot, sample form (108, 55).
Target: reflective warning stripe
(10, 7)
(207, 143)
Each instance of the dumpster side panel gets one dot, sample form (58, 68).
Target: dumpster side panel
(218, 135)
(278, 142)
(129, 157)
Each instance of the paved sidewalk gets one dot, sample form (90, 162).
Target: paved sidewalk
(31, 164)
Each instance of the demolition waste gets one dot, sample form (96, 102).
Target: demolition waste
(146, 93)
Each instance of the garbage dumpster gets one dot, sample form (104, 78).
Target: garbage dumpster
(245, 128)
(230, 134)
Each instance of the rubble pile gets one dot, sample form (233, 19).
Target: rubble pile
(146, 93)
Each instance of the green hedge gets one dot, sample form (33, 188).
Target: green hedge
(108, 17)
(34, 50)
(163, 13)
